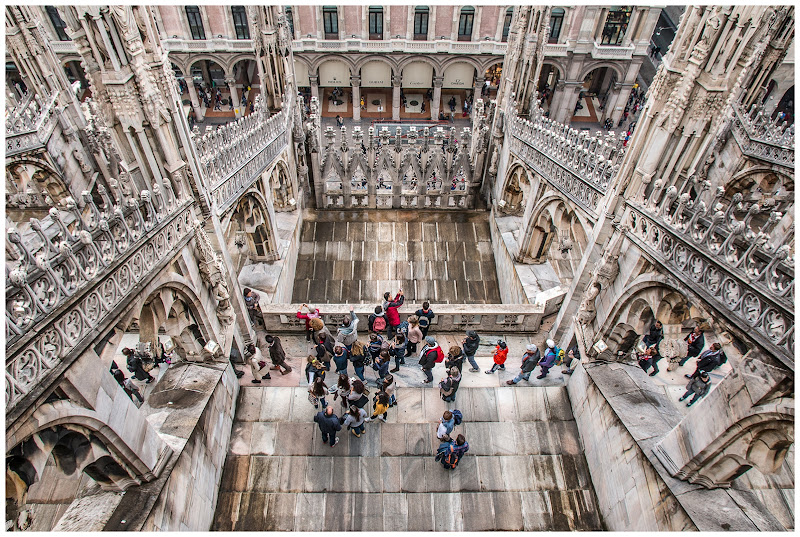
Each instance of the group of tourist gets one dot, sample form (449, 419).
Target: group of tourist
(708, 360)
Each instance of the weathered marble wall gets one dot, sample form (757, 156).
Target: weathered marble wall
(630, 494)
(189, 497)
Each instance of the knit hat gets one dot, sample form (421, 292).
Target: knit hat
(472, 333)
(531, 347)
(550, 343)
(430, 341)
(501, 343)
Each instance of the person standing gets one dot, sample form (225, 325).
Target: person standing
(314, 369)
(572, 354)
(695, 342)
(388, 387)
(397, 348)
(251, 302)
(376, 322)
(449, 386)
(256, 367)
(317, 392)
(354, 421)
(320, 330)
(708, 361)
(358, 355)
(529, 362)
(136, 365)
(446, 425)
(324, 350)
(347, 333)
(457, 450)
(328, 423)
(342, 389)
(381, 365)
(455, 358)
(500, 355)
(549, 359)
(470, 346)
(698, 386)
(381, 406)
(312, 313)
(392, 316)
(340, 357)
(425, 316)
(276, 354)
(133, 390)
(428, 356)
(414, 335)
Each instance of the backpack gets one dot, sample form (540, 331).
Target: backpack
(449, 459)
(457, 417)
(439, 355)
(379, 324)
(402, 328)
(424, 321)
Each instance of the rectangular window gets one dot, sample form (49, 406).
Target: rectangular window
(507, 23)
(375, 22)
(58, 23)
(330, 20)
(195, 22)
(240, 22)
(421, 24)
(465, 22)
(616, 25)
(556, 20)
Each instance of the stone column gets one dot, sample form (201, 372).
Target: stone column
(476, 88)
(231, 82)
(437, 96)
(148, 153)
(198, 110)
(395, 98)
(617, 100)
(314, 81)
(355, 84)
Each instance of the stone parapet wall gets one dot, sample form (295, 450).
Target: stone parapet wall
(449, 317)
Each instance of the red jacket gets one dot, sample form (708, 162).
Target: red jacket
(392, 317)
(500, 355)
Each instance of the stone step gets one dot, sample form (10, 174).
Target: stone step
(336, 473)
(417, 405)
(405, 439)
(564, 510)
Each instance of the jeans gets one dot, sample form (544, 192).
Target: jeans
(360, 372)
(428, 375)
(693, 399)
(323, 401)
(543, 374)
(411, 348)
(472, 361)
(333, 438)
(495, 367)
(521, 376)
(342, 371)
(689, 357)
(392, 400)
(359, 428)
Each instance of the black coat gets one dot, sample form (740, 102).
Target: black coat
(471, 346)
(532, 361)
(428, 360)
(458, 362)
(328, 424)
(709, 362)
(696, 347)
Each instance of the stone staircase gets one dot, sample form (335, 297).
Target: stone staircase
(525, 469)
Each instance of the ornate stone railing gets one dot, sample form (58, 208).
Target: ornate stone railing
(726, 262)
(555, 49)
(581, 166)
(612, 52)
(207, 45)
(30, 124)
(761, 137)
(444, 46)
(67, 252)
(234, 155)
(484, 318)
(85, 290)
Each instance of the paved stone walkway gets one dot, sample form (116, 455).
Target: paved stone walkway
(524, 471)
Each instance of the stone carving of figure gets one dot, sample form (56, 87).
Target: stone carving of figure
(587, 310)
(219, 291)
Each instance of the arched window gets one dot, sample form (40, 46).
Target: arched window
(507, 23)
(240, 22)
(556, 21)
(465, 22)
(58, 23)
(195, 22)
(421, 23)
(616, 25)
(330, 20)
(375, 22)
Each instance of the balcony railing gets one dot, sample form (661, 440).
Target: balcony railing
(445, 46)
(59, 298)
(612, 52)
(555, 49)
(581, 166)
(208, 45)
(30, 124)
(234, 155)
(760, 137)
(745, 277)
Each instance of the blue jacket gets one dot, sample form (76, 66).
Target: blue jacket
(341, 361)
(549, 358)
(328, 424)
